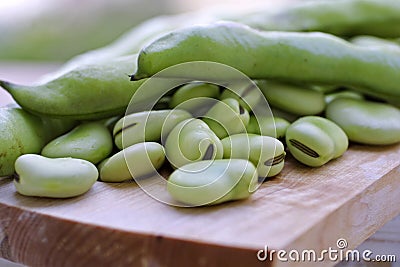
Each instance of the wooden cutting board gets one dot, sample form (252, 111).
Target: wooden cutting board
(120, 225)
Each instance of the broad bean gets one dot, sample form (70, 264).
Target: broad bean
(265, 152)
(136, 161)
(314, 140)
(269, 126)
(295, 99)
(152, 125)
(211, 182)
(57, 178)
(192, 140)
(227, 117)
(365, 121)
(194, 97)
(90, 141)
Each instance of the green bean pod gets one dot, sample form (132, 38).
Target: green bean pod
(366, 122)
(192, 140)
(56, 178)
(152, 125)
(314, 140)
(210, 182)
(87, 92)
(90, 141)
(137, 161)
(265, 152)
(24, 133)
(227, 117)
(289, 56)
(339, 17)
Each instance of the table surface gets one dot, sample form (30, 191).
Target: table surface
(301, 208)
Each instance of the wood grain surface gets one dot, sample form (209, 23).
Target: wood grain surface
(121, 225)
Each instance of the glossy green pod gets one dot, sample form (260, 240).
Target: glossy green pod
(136, 161)
(211, 182)
(56, 178)
(295, 99)
(339, 17)
(265, 152)
(289, 56)
(194, 97)
(192, 140)
(227, 117)
(315, 140)
(90, 141)
(268, 126)
(365, 121)
(152, 125)
(87, 92)
(24, 133)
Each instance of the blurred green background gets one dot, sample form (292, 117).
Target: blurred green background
(57, 30)
(48, 30)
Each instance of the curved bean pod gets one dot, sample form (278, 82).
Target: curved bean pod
(295, 57)
(339, 17)
(24, 133)
(86, 92)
